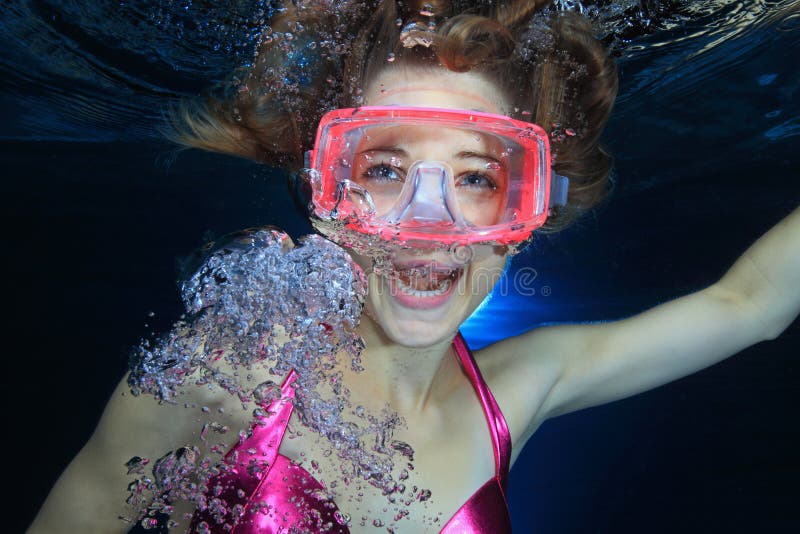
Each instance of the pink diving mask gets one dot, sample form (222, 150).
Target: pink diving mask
(411, 174)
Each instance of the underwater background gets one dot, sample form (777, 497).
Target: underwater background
(100, 215)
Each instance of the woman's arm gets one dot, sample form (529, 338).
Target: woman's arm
(579, 366)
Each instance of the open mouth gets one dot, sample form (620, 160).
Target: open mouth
(426, 281)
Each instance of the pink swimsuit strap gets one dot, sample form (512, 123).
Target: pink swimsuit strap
(501, 437)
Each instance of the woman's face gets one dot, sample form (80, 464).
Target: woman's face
(428, 293)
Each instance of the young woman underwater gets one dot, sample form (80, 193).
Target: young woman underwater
(434, 160)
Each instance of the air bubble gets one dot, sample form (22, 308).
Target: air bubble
(149, 523)
(342, 519)
(136, 465)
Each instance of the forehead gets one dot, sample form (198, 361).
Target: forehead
(435, 88)
(427, 139)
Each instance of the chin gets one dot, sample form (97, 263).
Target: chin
(418, 334)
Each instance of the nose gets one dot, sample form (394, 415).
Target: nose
(427, 198)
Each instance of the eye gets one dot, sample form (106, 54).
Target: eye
(382, 173)
(476, 180)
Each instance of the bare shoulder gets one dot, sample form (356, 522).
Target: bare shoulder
(90, 495)
(143, 423)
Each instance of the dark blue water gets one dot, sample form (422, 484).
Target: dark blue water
(100, 215)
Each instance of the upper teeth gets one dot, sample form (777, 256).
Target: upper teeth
(408, 290)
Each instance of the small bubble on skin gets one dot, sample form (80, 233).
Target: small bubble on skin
(149, 523)
(426, 10)
(342, 519)
(136, 465)
(390, 57)
(267, 392)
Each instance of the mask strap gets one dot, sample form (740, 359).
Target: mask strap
(559, 186)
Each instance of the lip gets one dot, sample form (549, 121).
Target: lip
(422, 302)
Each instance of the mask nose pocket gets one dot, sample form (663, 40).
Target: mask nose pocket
(428, 198)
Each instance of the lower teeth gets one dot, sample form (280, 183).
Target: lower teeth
(408, 290)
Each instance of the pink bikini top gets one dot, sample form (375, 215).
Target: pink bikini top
(266, 493)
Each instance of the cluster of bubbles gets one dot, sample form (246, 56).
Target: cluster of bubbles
(619, 22)
(247, 287)
(287, 58)
(227, 27)
(262, 306)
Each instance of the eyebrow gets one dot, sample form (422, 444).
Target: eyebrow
(391, 149)
(466, 154)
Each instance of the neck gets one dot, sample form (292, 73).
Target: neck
(410, 379)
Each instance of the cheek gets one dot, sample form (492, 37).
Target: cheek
(483, 211)
(485, 271)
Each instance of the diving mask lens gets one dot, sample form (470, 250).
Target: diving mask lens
(432, 174)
